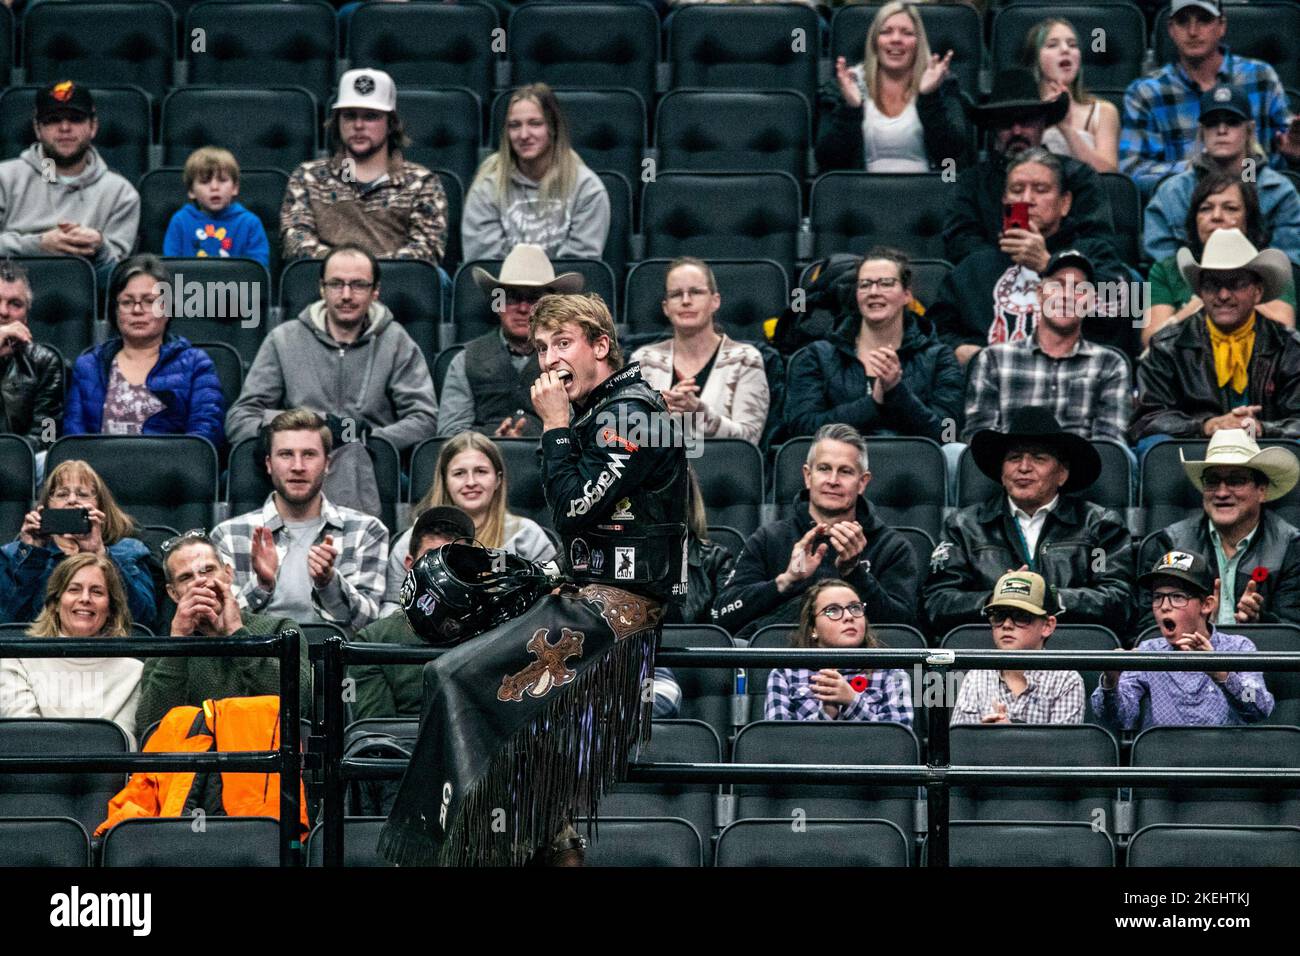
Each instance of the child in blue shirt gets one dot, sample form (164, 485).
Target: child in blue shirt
(213, 224)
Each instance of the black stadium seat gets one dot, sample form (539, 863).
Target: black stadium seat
(760, 130)
(752, 290)
(360, 843)
(6, 42)
(256, 44)
(428, 45)
(996, 844)
(1163, 844)
(229, 367)
(671, 741)
(706, 691)
(1112, 489)
(269, 126)
(232, 299)
(441, 365)
(454, 188)
(618, 242)
(1167, 496)
(662, 841)
(730, 472)
(948, 26)
(472, 311)
(125, 129)
(554, 43)
(17, 483)
(523, 473)
(1262, 30)
(1126, 213)
(1116, 62)
(853, 211)
(64, 307)
(223, 841)
(818, 842)
(94, 43)
(43, 841)
(446, 131)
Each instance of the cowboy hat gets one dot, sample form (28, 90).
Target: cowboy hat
(1234, 446)
(1015, 96)
(1037, 426)
(1228, 249)
(527, 267)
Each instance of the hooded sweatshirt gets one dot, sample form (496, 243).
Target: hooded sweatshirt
(99, 199)
(381, 379)
(573, 228)
(228, 233)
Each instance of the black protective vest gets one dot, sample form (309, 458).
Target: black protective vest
(500, 391)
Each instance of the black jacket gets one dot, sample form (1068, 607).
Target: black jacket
(944, 123)
(886, 576)
(1084, 552)
(826, 383)
(708, 566)
(31, 392)
(1275, 546)
(616, 484)
(1178, 390)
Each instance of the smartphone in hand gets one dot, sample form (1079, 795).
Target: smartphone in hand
(65, 521)
(1015, 215)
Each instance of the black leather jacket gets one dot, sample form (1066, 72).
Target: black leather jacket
(31, 392)
(616, 484)
(1084, 552)
(1178, 389)
(1275, 546)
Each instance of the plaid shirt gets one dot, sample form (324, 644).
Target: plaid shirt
(1051, 697)
(1089, 391)
(888, 696)
(1162, 114)
(353, 596)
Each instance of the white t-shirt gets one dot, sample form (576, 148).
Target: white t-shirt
(104, 687)
(893, 144)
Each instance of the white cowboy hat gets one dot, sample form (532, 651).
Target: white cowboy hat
(527, 267)
(1228, 249)
(1234, 446)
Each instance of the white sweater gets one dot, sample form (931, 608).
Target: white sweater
(107, 687)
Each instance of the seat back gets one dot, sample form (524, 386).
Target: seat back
(430, 45)
(706, 691)
(730, 473)
(1165, 844)
(1116, 62)
(734, 130)
(1166, 496)
(441, 365)
(752, 291)
(229, 367)
(267, 126)
(643, 841)
(64, 304)
(768, 46)
(253, 44)
(94, 43)
(820, 842)
(125, 129)
(1257, 29)
(730, 539)
(446, 130)
(1112, 489)
(953, 27)
(472, 309)
(1126, 215)
(1283, 685)
(224, 842)
(454, 189)
(360, 843)
(853, 211)
(618, 244)
(554, 43)
(82, 796)
(1060, 844)
(526, 496)
(671, 741)
(43, 841)
(17, 483)
(222, 300)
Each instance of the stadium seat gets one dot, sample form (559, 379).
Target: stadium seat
(441, 365)
(6, 43)
(454, 188)
(618, 244)
(1216, 747)
(954, 26)
(927, 277)
(729, 538)
(643, 842)
(1116, 62)
(411, 288)
(671, 741)
(1167, 496)
(256, 44)
(908, 480)
(721, 215)
(232, 299)
(472, 311)
(853, 211)
(445, 127)
(1164, 844)
(64, 307)
(269, 126)
(834, 743)
(427, 45)
(1262, 30)
(162, 193)
(1031, 745)
(820, 842)
(82, 796)
(554, 43)
(761, 47)
(707, 692)
(17, 483)
(526, 495)
(764, 131)
(996, 844)
(1126, 213)
(43, 841)
(360, 843)
(921, 543)
(94, 43)
(157, 479)
(730, 472)
(319, 632)
(229, 366)
(1112, 489)
(125, 130)
(752, 291)
(224, 841)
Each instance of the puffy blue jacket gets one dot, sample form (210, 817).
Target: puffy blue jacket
(184, 380)
(25, 571)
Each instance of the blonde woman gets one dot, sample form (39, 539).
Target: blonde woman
(1090, 130)
(85, 598)
(535, 188)
(899, 110)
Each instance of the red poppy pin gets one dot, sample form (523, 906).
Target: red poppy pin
(1259, 575)
(858, 683)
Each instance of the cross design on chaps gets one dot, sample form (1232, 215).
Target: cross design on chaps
(549, 670)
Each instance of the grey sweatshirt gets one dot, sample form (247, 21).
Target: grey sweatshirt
(99, 199)
(381, 378)
(575, 228)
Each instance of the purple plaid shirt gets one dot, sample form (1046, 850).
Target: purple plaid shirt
(888, 696)
(1185, 698)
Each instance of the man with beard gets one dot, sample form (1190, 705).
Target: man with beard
(365, 193)
(300, 556)
(59, 198)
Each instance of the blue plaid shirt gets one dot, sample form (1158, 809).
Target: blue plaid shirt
(888, 696)
(1162, 113)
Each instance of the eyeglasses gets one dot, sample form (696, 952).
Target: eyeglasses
(1176, 599)
(676, 295)
(836, 611)
(127, 304)
(67, 494)
(194, 534)
(1235, 481)
(357, 285)
(866, 285)
(998, 615)
(1233, 281)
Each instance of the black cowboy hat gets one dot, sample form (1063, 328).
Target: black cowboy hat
(1040, 427)
(1015, 96)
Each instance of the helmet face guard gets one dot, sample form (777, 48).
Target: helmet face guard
(458, 591)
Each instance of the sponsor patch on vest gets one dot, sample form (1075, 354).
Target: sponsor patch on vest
(623, 511)
(624, 564)
(597, 561)
(579, 554)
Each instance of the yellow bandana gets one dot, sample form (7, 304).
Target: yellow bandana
(1232, 352)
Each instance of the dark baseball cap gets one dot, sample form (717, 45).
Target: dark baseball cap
(440, 520)
(63, 97)
(1222, 98)
(1186, 566)
(1071, 257)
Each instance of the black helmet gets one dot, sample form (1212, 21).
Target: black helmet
(458, 591)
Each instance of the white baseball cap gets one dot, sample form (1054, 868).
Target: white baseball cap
(367, 90)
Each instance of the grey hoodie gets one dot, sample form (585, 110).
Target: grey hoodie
(381, 378)
(575, 228)
(99, 198)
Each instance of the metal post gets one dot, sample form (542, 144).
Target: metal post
(937, 790)
(334, 781)
(290, 741)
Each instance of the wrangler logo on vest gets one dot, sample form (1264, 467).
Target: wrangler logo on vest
(549, 670)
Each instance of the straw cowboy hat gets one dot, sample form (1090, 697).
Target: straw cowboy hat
(1228, 249)
(527, 267)
(1234, 446)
